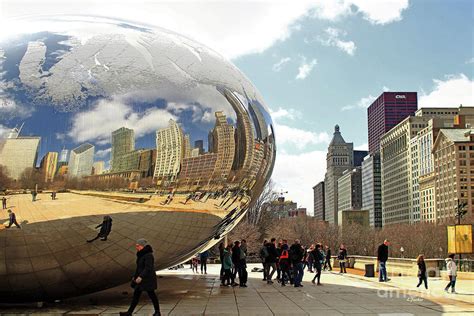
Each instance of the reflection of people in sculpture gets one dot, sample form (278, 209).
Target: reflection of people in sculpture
(4, 203)
(12, 220)
(105, 229)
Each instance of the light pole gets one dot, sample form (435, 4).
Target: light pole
(460, 212)
(402, 250)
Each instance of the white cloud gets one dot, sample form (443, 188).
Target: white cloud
(298, 173)
(363, 103)
(97, 124)
(305, 68)
(103, 152)
(279, 65)
(381, 11)
(385, 89)
(4, 131)
(332, 38)
(470, 61)
(299, 138)
(289, 113)
(232, 28)
(453, 91)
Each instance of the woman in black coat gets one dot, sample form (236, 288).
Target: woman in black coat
(422, 275)
(144, 279)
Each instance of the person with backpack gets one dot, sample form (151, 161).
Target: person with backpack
(263, 257)
(342, 258)
(284, 264)
(296, 257)
(318, 262)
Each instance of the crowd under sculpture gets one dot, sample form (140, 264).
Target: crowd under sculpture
(112, 131)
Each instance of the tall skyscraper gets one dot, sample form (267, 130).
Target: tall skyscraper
(170, 152)
(389, 109)
(223, 141)
(187, 146)
(63, 157)
(123, 142)
(372, 189)
(18, 153)
(359, 156)
(318, 191)
(397, 171)
(339, 159)
(49, 165)
(199, 144)
(98, 167)
(349, 190)
(81, 161)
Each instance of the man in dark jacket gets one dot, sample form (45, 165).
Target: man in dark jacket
(144, 278)
(296, 257)
(271, 260)
(236, 261)
(105, 229)
(12, 220)
(382, 256)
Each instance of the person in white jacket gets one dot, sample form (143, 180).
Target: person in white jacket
(452, 272)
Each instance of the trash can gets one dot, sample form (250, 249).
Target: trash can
(369, 270)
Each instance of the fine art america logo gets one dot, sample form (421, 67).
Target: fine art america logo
(400, 96)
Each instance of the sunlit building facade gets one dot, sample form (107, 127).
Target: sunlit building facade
(170, 152)
(48, 166)
(81, 161)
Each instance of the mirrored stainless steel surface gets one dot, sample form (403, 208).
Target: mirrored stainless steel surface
(110, 132)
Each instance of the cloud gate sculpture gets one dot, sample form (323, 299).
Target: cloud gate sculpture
(110, 132)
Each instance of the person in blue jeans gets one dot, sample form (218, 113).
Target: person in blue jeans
(203, 256)
(296, 256)
(382, 257)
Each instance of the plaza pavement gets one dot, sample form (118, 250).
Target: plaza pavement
(183, 293)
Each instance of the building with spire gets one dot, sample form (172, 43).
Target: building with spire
(339, 159)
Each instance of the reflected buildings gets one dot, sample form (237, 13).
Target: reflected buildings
(174, 150)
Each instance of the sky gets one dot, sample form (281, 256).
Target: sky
(317, 63)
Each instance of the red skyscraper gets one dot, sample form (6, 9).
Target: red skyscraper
(387, 111)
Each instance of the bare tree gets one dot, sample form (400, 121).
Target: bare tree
(5, 180)
(255, 213)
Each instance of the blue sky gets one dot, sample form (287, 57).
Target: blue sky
(317, 63)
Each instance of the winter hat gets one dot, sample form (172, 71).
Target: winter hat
(142, 242)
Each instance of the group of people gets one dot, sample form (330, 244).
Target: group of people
(234, 262)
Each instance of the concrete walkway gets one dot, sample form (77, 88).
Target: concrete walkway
(184, 293)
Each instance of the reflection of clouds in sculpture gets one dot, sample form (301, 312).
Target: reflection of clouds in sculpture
(140, 124)
(96, 124)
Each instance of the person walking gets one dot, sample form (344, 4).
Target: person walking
(203, 256)
(318, 262)
(327, 262)
(243, 263)
(271, 260)
(452, 273)
(4, 203)
(144, 279)
(382, 257)
(105, 229)
(296, 257)
(12, 220)
(422, 276)
(263, 258)
(342, 258)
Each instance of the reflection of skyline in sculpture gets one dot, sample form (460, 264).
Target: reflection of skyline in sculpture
(81, 161)
(163, 135)
(18, 153)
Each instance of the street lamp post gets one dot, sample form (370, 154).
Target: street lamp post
(460, 212)
(402, 250)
